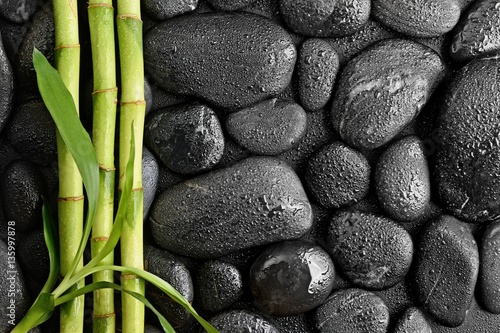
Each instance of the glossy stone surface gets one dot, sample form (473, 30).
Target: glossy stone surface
(291, 277)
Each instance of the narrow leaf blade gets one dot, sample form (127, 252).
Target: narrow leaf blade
(50, 235)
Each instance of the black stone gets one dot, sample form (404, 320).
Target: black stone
(291, 277)
(382, 90)
(371, 250)
(337, 175)
(446, 270)
(402, 180)
(489, 276)
(352, 310)
(242, 321)
(248, 59)
(187, 138)
(164, 9)
(268, 128)
(256, 201)
(219, 285)
(412, 321)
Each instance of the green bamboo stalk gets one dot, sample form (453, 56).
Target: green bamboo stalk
(132, 112)
(101, 24)
(71, 199)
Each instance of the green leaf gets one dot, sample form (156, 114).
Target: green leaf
(163, 286)
(61, 106)
(50, 235)
(39, 313)
(104, 284)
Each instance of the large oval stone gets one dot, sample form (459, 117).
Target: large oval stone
(446, 270)
(382, 89)
(256, 201)
(468, 157)
(229, 59)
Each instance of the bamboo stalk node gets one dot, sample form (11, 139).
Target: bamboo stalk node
(101, 91)
(103, 168)
(77, 198)
(138, 102)
(104, 315)
(99, 239)
(100, 5)
(129, 17)
(129, 276)
(138, 189)
(67, 46)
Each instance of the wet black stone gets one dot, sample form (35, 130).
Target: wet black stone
(402, 180)
(412, 321)
(371, 250)
(489, 276)
(446, 270)
(470, 38)
(256, 201)
(230, 4)
(318, 64)
(164, 9)
(248, 59)
(171, 269)
(12, 288)
(382, 89)
(352, 310)
(337, 175)
(187, 138)
(219, 285)
(150, 174)
(417, 19)
(467, 168)
(41, 35)
(19, 11)
(291, 277)
(21, 190)
(268, 128)
(34, 259)
(32, 132)
(6, 86)
(242, 321)
(325, 18)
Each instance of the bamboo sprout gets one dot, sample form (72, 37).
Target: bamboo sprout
(132, 112)
(71, 199)
(101, 24)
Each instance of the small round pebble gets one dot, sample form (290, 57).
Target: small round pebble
(372, 251)
(219, 284)
(187, 138)
(402, 180)
(489, 278)
(242, 321)
(446, 270)
(412, 321)
(352, 311)
(337, 175)
(164, 9)
(318, 64)
(290, 278)
(150, 175)
(268, 128)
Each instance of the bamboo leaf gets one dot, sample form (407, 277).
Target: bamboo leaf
(40, 312)
(163, 286)
(104, 284)
(50, 235)
(61, 106)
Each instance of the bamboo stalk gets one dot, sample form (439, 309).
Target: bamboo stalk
(71, 199)
(132, 112)
(101, 24)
